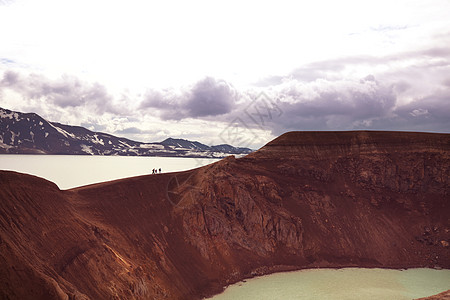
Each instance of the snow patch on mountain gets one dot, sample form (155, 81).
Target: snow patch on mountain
(96, 140)
(3, 145)
(152, 146)
(62, 131)
(87, 149)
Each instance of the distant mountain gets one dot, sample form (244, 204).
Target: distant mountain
(225, 148)
(28, 133)
(185, 144)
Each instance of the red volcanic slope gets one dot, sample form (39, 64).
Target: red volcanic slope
(306, 199)
(441, 296)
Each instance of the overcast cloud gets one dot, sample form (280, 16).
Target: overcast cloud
(67, 91)
(206, 98)
(195, 73)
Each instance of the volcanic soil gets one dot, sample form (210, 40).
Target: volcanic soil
(305, 200)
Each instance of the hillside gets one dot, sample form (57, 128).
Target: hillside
(306, 199)
(28, 133)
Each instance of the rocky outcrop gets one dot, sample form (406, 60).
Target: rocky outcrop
(307, 199)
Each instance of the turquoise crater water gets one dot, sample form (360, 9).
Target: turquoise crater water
(342, 284)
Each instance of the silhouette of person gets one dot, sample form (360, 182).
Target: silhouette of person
(159, 170)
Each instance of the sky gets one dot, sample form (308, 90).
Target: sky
(235, 72)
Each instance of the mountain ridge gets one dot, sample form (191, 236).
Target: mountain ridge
(28, 133)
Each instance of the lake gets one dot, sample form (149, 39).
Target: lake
(69, 171)
(347, 283)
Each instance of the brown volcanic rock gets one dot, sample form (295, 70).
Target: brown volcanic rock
(441, 296)
(307, 199)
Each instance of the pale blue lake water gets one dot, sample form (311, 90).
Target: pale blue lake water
(341, 284)
(69, 171)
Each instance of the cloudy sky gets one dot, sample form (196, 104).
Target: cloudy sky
(228, 71)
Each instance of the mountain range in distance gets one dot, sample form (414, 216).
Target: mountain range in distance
(28, 133)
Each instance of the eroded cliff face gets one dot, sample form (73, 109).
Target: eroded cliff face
(307, 199)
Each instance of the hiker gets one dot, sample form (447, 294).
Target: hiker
(159, 170)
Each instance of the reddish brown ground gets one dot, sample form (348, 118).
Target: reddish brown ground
(441, 296)
(307, 199)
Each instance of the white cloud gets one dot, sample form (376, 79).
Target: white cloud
(139, 43)
(419, 112)
(137, 66)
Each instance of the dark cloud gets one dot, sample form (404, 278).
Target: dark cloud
(357, 105)
(207, 98)
(67, 91)
(165, 104)
(317, 96)
(10, 79)
(329, 105)
(369, 103)
(431, 113)
(156, 99)
(210, 97)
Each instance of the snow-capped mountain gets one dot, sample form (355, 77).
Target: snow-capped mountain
(28, 133)
(185, 144)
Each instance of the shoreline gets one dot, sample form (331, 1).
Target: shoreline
(292, 269)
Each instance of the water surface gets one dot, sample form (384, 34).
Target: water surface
(342, 284)
(69, 171)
